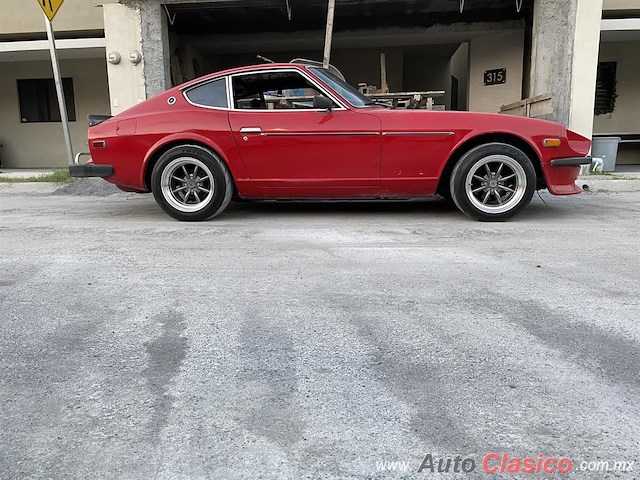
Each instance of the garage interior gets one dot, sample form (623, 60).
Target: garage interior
(426, 43)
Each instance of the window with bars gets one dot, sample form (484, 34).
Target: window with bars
(39, 101)
(606, 88)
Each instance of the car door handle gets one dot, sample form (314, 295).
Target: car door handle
(246, 130)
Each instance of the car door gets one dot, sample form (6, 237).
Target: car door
(291, 149)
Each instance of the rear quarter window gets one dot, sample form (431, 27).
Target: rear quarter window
(211, 94)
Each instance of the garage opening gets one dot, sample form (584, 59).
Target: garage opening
(422, 45)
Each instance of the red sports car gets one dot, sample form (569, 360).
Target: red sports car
(298, 131)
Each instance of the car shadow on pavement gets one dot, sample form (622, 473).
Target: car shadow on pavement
(396, 207)
(428, 209)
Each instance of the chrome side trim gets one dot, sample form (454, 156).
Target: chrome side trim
(303, 73)
(418, 134)
(320, 134)
(229, 92)
(231, 103)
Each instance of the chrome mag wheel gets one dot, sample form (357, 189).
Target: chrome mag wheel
(496, 184)
(187, 184)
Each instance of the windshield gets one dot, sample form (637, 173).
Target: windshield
(346, 91)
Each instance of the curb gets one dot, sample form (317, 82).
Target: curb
(41, 188)
(604, 184)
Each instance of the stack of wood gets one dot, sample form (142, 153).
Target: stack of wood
(372, 89)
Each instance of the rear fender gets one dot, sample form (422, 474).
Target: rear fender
(232, 161)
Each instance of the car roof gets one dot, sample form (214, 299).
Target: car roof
(248, 68)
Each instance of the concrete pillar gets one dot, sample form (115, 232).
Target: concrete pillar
(123, 36)
(136, 26)
(564, 59)
(155, 46)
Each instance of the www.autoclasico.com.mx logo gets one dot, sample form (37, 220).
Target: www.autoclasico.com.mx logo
(504, 463)
(497, 463)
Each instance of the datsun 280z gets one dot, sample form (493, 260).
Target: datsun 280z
(298, 131)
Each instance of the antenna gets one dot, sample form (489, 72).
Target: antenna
(264, 59)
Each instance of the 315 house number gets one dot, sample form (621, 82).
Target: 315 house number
(495, 77)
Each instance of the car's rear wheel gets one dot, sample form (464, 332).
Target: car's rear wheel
(191, 183)
(493, 182)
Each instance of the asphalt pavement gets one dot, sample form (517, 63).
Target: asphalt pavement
(315, 341)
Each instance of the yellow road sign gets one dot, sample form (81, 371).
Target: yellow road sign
(50, 7)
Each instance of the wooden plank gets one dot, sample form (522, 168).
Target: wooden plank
(384, 86)
(328, 38)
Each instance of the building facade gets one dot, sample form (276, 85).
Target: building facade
(618, 93)
(30, 130)
(116, 54)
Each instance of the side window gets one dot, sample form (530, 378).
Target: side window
(273, 91)
(212, 94)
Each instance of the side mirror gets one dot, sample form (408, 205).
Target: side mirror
(323, 103)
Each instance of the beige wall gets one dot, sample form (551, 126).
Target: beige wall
(123, 35)
(24, 17)
(32, 145)
(621, 5)
(502, 50)
(584, 69)
(625, 117)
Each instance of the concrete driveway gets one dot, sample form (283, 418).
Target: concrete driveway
(315, 341)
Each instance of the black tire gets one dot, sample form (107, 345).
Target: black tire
(493, 182)
(191, 183)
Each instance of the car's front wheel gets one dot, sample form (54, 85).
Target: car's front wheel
(191, 183)
(493, 182)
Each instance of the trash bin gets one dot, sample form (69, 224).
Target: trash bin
(606, 148)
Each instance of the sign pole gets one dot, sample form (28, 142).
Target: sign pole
(328, 39)
(59, 90)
